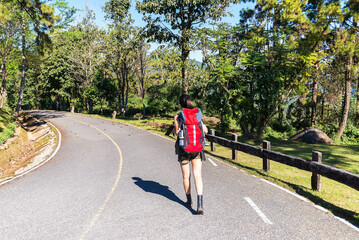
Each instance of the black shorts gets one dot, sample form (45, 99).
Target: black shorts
(185, 157)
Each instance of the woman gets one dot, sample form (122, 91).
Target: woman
(184, 158)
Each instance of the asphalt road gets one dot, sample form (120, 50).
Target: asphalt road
(111, 181)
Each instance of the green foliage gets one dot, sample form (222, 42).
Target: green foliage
(270, 61)
(163, 98)
(176, 22)
(134, 106)
(8, 132)
(279, 129)
(350, 135)
(7, 125)
(181, 16)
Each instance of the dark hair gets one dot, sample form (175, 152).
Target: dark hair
(185, 101)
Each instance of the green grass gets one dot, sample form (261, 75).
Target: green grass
(336, 197)
(7, 125)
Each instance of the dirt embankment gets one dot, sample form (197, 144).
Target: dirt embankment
(32, 137)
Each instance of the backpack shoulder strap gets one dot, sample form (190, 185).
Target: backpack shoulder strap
(199, 115)
(182, 117)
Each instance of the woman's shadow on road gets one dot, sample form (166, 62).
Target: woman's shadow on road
(156, 188)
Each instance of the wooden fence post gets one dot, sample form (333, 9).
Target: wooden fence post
(234, 152)
(114, 115)
(213, 147)
(316, 157)
(266, 162)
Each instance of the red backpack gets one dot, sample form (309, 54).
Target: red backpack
(191, 136)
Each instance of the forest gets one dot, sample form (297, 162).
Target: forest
(287, 65)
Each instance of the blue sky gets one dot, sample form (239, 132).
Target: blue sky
(96, 6)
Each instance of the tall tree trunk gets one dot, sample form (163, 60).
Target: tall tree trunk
(3, 85)
(123, 86)
(185, 58)
(23, 74)
(90, 106)
(346, 101)
(280, 114)
(127, 87)
(142, 81)
(315, 95)
(57, 102)
(119, 79)
(121, 89)
(323, 104)
(357, 114)
(244, 127)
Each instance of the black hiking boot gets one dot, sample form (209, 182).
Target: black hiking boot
(189, 200)
(200, 205)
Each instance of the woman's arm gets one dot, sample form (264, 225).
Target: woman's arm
(176, 122)
(205, 129)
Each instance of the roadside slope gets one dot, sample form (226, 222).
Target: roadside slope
(34, 142)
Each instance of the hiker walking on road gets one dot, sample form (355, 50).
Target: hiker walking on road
(190, 130)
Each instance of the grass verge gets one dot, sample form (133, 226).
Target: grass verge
(7, 125)
(338, 198)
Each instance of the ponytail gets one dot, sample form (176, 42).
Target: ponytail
(185, 101)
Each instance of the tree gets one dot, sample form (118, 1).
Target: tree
(141, 63)
(164, 78)
(10, 27)
(222, 86)
(347, 47)
(321, 16)
(39, 16)
(56, 75)
(176, 22)
(86, 54)
(120, 46)
(270, 65)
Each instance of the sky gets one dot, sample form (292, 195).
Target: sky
(97, 5)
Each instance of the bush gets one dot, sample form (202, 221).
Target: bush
(350, 135)
(270, 132)
(330, 129)
(8, 132)
(279, 129)
(134, 105)
(163, 98)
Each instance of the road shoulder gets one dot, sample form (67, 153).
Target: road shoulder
(35, 142)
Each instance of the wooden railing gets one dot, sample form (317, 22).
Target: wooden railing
(315, 166)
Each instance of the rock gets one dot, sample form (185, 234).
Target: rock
(311, 136)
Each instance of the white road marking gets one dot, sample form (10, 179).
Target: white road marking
(259, 212)
(213, 163)
(321, 208)
(42, 163)
(294, 194)
(347, 223)
(291, 193)
(156, 134)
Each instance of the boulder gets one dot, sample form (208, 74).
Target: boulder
(311, 136)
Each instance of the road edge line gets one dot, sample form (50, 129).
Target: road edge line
(258, 211)
(229, 165)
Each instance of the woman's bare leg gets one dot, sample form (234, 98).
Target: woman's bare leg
(186, 173)
(197, 174)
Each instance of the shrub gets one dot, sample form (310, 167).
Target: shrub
(350, 135)
(8, 132)
(163, 98)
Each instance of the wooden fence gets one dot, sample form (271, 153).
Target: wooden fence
(315, 166)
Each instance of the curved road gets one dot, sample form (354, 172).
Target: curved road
(111, 181)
